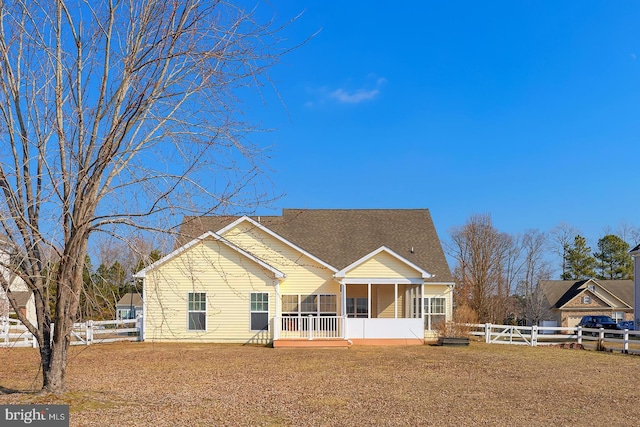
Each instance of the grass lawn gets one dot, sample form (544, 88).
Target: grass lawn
(145, 384)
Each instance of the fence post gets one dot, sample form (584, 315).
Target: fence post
(88, 332)
(601, 339)
(310, 327)
(579, 331)
(487, 333)
(534, 335)
(140, 325)
(626, 341)
(5, 330)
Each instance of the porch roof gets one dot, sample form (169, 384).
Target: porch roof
(342, 273)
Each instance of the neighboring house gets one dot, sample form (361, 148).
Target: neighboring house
(635, 253)
(19, 290)
(351, 276)
(129, 306)
(569, 300)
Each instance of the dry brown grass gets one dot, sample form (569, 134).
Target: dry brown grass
(142, 384)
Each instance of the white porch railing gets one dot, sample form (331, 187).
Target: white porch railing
(309, 327)
(14, 334)
(332, 327)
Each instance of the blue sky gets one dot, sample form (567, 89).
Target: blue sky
(529, 111)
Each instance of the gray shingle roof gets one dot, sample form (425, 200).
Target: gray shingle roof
(342, 236)
(559, 292)
(130, 299)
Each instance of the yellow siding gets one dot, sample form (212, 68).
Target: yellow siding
(384, 265)
(225, 275)
(304, 275)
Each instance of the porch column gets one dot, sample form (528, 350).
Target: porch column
(343, 300)
(395, 301)
(422, 301)
(276, 319)
(369, 300)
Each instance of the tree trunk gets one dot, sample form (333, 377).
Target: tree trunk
(69, 282)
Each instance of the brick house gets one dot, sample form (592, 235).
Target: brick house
(569, 300)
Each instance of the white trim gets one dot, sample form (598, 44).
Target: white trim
(395, 301)
(209, 234)
(605, 296)
(251, 311)
(276, 236)
(206, 312)
(376, 281)
(424, 274)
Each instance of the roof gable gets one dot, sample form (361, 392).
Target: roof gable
(341, 237)
(130, 299)
(275, 235)
(559, 293)
(342, 273)
(209, 234)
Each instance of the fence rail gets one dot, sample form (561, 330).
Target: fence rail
(625, 341)
(14, 334)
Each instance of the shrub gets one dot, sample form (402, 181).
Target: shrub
(459, 325)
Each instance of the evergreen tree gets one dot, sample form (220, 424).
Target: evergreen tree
(614, 261)
(580, 264)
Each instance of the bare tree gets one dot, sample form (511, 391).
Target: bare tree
(114, 115)
(534, 269)
(563, 236)
(483, 255)
(628, 233)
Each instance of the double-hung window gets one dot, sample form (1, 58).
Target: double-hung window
(259, 311)
(197, 311)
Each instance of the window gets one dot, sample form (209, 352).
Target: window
(435, 311)
(125, 313)
(259, 311)
(357, 307)
(197, 311)
(618, 316)
(586, 299)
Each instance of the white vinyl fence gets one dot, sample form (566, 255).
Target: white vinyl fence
(604, 339)
(14, 334)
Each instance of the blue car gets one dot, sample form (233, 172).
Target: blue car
(627, 324)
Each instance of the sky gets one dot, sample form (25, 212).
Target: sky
(525, 110)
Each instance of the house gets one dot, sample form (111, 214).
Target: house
(568, 301)
(18, 288)
(326, 276)
(635, 253)
(129, 306)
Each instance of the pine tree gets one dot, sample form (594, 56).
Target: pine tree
(580, 264)
(614, 261)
